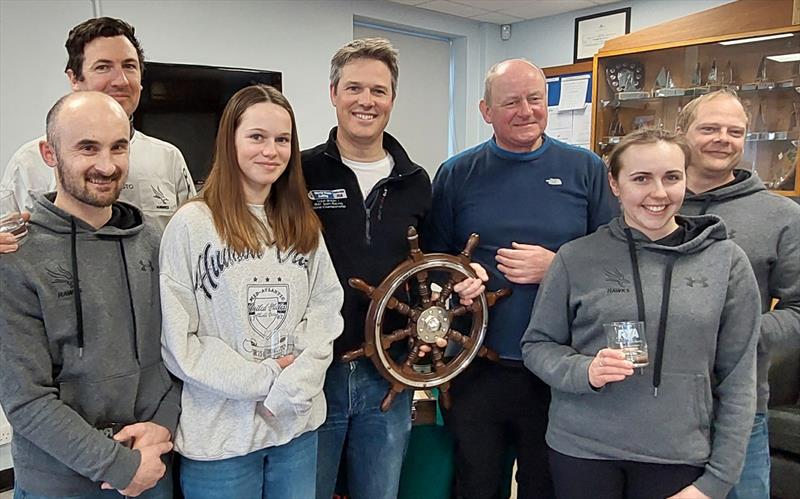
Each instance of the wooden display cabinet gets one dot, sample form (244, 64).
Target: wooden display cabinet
(769, 90)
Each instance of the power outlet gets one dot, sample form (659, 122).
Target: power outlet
(5, 434)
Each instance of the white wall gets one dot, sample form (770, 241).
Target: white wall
(549, 41)
(32, 60)
(296, 37)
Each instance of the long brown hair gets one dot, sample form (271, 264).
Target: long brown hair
(292, 221)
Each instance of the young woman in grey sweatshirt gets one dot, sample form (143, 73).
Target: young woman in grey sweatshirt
(677, 428)
(250, 310)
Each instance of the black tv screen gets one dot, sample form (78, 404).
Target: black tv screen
(183, 103)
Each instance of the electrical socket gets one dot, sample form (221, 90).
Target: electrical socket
(5, 434)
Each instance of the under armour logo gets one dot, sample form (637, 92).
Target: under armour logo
(146, 266)
(702, 282)
(732, 234)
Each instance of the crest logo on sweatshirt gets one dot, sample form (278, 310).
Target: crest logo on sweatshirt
(267, 305)
(61, 276)
(616, 277)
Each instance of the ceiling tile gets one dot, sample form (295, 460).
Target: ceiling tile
(492, 5)
(544, 8)
(497, 18)
(455, 9)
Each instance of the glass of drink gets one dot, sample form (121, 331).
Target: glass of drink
(628, 336)
(10, 216)
(281, 345)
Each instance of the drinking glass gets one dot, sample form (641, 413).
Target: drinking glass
(10, 216)
(629, 337)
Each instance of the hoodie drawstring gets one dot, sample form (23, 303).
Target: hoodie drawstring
(130, 299)
(76, 288)
(662, 323)
(665, 294)
(76, 291)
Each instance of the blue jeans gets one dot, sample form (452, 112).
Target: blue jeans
(375, 441)
(754, 481)
(162, 490)
(282, 472)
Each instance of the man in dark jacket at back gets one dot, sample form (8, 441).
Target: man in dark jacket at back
(92, 406)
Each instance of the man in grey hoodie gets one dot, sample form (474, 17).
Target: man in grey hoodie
(92, 406)
(765, 225)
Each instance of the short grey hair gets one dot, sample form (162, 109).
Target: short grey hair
(379, 49)
(488, 81)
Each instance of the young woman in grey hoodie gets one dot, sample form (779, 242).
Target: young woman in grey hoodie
(677, 428)
(250, 305)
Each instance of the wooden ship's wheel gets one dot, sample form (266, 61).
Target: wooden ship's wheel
(429, 318)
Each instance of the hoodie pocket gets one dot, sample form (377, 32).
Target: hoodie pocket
(107, 400)
(678, 419)
(625, 421)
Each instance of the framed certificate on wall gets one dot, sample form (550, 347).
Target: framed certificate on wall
(592, 31)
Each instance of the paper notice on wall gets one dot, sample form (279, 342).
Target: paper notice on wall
(573, 92)
(559, 125)
(582, 125)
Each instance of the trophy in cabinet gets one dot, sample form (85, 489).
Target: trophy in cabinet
(697, 76)
(762, 81)
(727, 75)
(615, 128)
(793, 80)
(626, 79)
(664, 86)
(713, 74)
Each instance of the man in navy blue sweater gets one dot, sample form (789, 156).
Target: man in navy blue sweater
(526, 194)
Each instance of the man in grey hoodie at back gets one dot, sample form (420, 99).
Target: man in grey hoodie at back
(765, 225)
(82, 381)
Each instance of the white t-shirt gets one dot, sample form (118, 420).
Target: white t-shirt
(369, 174)
(158, 178)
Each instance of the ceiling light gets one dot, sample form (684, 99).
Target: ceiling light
(756, 39)
(785, 57)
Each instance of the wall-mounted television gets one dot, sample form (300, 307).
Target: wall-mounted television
(183, 103)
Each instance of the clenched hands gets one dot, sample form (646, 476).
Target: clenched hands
(524, 263)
